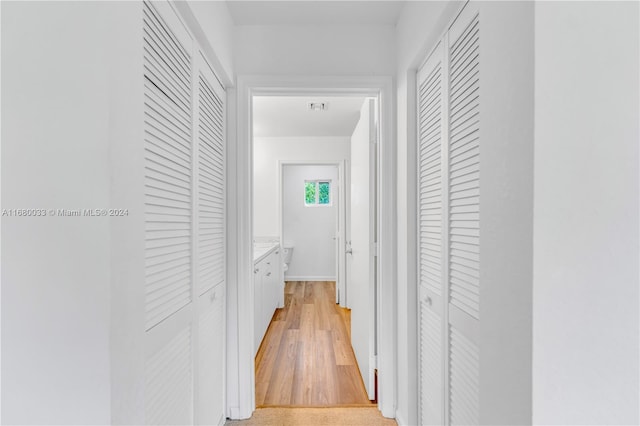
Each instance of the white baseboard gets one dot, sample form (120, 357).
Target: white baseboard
(399, 420)
(301, 278)
(234, 413)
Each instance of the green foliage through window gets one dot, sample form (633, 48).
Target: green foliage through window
(317, 193)
(323, 192)
(310, 192)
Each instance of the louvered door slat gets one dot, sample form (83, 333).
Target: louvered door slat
(464, 219)
(464, 153)
(430, 175)
(167, 64)
(211, 182)
(168, 164)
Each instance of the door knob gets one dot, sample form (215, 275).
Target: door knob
(429, 301)
(349, 251)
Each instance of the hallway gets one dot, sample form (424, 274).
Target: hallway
(146, 151)
(306, 357)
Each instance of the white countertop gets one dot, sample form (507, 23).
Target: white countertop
(262, 250)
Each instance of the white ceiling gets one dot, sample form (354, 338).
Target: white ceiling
(287, 116)
(311, 12)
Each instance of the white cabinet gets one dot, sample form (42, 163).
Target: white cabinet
(267, 286)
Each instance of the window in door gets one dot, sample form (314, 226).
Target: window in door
(317, 193)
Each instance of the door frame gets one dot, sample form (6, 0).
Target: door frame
(340, 222)
(241, 374)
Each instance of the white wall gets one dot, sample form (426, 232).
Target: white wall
(267, 152)
(310, 230)
(506, 210)
(315, 50)
(217, 27)
(56, 270)
(73, 305)
(126, 163)
(585, 333)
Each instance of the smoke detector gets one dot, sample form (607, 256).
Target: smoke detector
(318, 106)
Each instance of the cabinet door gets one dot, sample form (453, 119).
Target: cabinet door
(257, 306)
(273, 282)
(432, 241)
(280, 279)
(267, 292)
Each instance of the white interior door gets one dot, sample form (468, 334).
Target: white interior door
(184, 226)
(360, 264)
(169, 251)
(210, 245)
(463, 187)
(431, 242)
(449, 219)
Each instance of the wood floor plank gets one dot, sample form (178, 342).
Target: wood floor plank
(351, 386)
(308, 293)
(290, 287)
(294, 312)
(281, 382)
(306, 358)
(342, 349)
(266, 359)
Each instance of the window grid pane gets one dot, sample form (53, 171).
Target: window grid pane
(310, 192)
(323, 192)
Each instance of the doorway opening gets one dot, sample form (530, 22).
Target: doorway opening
(314, 340)
(380, 341)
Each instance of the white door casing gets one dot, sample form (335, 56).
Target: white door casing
(341, 212)
(241, 375)
(360, 261)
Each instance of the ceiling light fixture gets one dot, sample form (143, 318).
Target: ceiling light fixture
(318, 106)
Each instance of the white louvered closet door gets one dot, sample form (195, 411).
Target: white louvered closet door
(449, 225)
(432, 239)
(464, 217)
(184, 146)
(168, 216)
(210, 245)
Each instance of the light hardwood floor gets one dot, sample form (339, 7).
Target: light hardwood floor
(306, 358)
